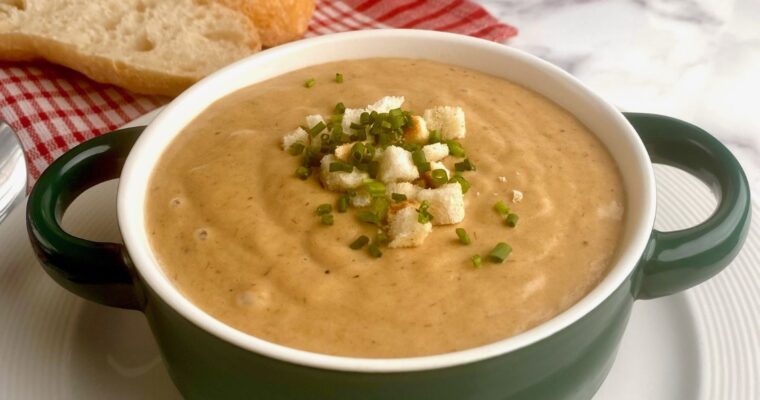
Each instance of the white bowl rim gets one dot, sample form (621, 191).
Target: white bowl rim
(134, 236)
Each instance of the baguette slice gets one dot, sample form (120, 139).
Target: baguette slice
(147, 46)
(278, 21)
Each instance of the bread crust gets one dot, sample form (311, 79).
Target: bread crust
(278, 21)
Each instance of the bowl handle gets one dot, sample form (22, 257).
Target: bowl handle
(100, 272)
(677, 260)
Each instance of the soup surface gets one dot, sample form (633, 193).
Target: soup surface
(237, 234)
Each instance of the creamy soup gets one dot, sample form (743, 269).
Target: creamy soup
(236, 232)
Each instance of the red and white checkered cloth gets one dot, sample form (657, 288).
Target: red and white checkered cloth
(53, 108)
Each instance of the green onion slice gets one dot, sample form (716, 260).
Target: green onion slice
(398, 197)
(512, 220)
(340, 108)
(310, 82)
(501, 207)
(500, 253)
(439, 177)
(368, 217)
(316, 129)
(303, 172)
(476, 261)
(462, 182)
(464, 238)
(374, 251)
(338, 77)
(342, 204)
(435, 137)
(465, 165)
(327, 219)
(360, 242)
(375, 188)
(323, 209)
(340, 166)
(296, 148)
(423, 216)
(455, 148)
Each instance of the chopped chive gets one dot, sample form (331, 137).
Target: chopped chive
(425, 167)
(379, 207)
(439, 177)
(501, 207)
(342, 204)
(323, 209)
(435, 137)
(455, 148)
(368, 217)
(465, 165)
(316, 129)
(476, 261)
(360, 242)
(296, 149)
(374, 251)
(375, 188)
(418, 157)
(462, 182)
(358, 152)
(500, 253)
(324, 138)
(364, 118)
(310, 82)
(340, 108)
(381, 238)
(338, 77)
(512, 220)
(411, 147)
(386, 125)
(464, 238)
(356, 126)
(303, 172)
(398, 197)
(423, 216)
(340, 166)
(374, 167)
(327, 219)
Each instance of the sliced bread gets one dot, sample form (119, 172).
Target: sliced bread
(278, 21)
(147, 46)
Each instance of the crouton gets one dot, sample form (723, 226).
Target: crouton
(397, 165)
(436, 151)
(351, 116)
(297, 136)
(343, 152)
(339, 180)
(386, 104)
(313, 120)
(417, 131)
(446, 203)
(407, 189)
(405, 230)
(447, 120)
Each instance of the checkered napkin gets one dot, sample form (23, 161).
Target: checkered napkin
(53, 109)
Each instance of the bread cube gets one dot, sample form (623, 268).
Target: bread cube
(447, 120)
(436, 151)
(297, 136)
(409, 190)
(343, 152)
(404, 228)
(351, 116)
(339, 181)
(446, 203)
(417, 131)
(386, 104)
(397, 166)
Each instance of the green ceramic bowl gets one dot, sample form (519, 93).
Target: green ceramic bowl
(566, 357)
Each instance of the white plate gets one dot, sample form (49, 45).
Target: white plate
(701, 344)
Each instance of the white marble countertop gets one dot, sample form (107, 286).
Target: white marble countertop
(698, 60)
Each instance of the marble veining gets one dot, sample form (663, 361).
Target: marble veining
(697, 60)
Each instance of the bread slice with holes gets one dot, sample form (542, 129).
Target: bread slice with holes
(147, 46)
